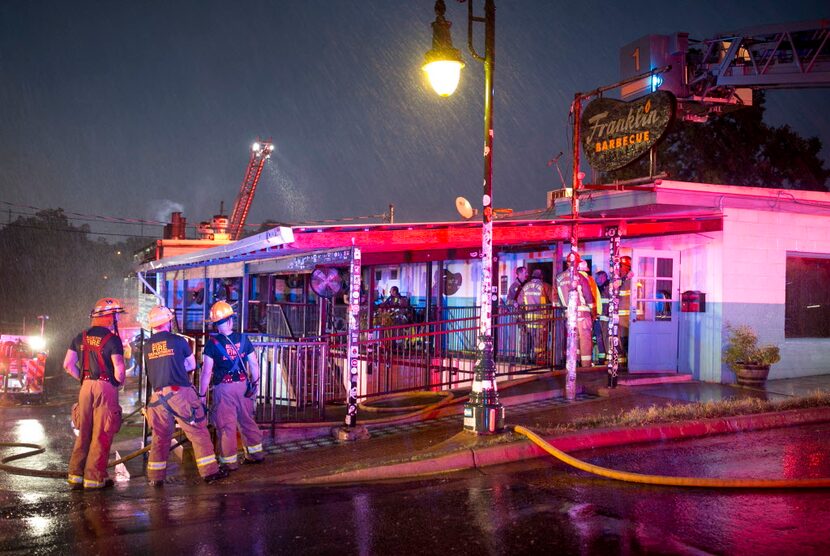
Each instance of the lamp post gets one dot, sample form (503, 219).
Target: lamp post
(483, 414)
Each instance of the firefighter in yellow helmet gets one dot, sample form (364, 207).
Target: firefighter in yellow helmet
(586, 291)
(175, 400)
(230, 365)
(96, 358)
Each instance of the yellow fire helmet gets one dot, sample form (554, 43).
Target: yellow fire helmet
(159, 316)
(106, 306)
(220, 312)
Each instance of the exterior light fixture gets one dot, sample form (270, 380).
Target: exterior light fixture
(483, 413)
(443, 62)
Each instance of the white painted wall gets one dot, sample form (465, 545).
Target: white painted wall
(755, 255)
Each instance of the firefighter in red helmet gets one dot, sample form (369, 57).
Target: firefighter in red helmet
(96, 358)
(230, 365)
(624, 309)
(585, 304)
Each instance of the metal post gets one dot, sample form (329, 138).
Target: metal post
(483, 414)
(243, 303)
(353, 341)
(571, 351)
(612, 350)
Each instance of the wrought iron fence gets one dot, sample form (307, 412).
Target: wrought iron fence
(294, 378)
(298, 378)
(442, 354)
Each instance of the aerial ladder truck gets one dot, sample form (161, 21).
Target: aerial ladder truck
(718, 74)
(260, 152)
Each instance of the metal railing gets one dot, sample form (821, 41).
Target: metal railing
(299, 377)
(294, 377)
(442, 354)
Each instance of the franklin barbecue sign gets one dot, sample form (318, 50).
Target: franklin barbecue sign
(615, 133)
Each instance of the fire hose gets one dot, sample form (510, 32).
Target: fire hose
(52, 474)
(704, 482)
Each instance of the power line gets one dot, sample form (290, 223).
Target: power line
(113, 219)
(72, 230)
(82, 219)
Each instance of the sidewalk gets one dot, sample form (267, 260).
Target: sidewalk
(418, 447)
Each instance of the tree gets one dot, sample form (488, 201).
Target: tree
(737, 148)
(51, 267)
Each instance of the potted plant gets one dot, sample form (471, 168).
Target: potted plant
(749, 361)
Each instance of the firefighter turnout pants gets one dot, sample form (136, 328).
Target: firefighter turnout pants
(183, 406)
(584, 325)
(231, 409)
(97, 416)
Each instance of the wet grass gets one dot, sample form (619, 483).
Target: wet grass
(672, 413)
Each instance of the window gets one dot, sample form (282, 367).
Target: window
(807, 311)
(654, 284)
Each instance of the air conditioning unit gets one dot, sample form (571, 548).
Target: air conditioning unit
(564, 193)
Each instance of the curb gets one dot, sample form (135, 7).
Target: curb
(524, 449)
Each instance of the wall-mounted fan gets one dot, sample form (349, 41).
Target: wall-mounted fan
(326, 282)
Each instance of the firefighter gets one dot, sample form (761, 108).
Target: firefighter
(97, 415)
(585, 305)
(624, 309)
(601, 322)
(175, 400)
(596, 306)
(516, 287)
(230, 365)
(511, 331)
(535, 297)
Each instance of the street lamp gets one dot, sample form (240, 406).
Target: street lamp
(483, 414)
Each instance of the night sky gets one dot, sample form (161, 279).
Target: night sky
(134, 109)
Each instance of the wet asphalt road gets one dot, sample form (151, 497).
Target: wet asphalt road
(539, 506)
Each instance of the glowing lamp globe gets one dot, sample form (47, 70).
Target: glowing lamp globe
(444, 75)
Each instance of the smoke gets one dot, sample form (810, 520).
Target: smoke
(160, 209)
(285, 192)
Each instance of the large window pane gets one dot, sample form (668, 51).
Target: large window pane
(807, 312)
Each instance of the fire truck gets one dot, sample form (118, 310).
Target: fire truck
(22, 366)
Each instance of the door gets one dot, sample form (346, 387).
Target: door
(655, 294)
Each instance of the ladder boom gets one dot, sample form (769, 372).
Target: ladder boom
(260, 152)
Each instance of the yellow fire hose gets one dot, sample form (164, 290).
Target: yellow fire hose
(669, 481)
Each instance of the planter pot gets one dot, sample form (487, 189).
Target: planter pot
(752, 375)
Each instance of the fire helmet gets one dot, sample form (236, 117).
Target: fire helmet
(220, 312)
(159, 316)
(625, 261)
(583, 266)
(106, 306)
(573, 257)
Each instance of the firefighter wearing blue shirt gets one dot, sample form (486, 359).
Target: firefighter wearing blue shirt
(174, 400)
(96, 358)
(230, 365)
